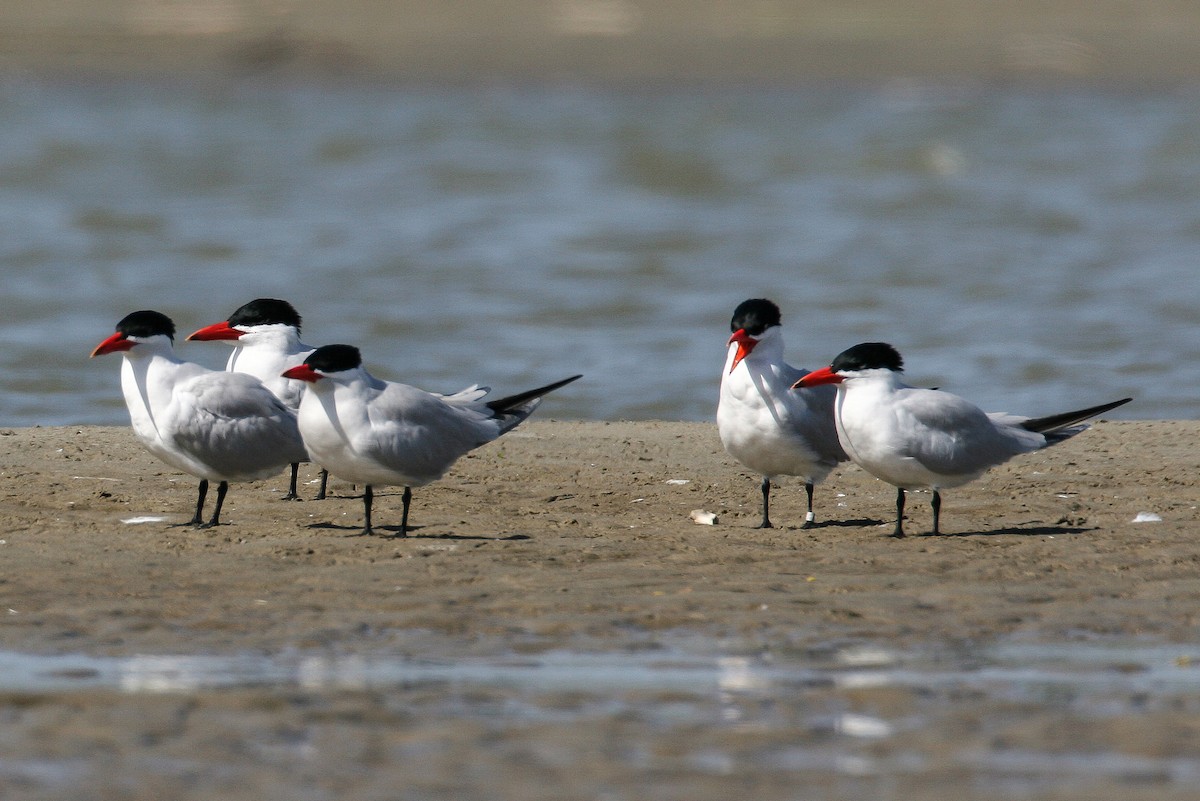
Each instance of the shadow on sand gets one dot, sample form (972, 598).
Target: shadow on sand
(393, 531)
(1033, 531)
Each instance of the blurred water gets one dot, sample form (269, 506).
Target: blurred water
(1008, 719)
(1032, 249)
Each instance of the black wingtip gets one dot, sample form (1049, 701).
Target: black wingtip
(504, 405)
(1055, 422)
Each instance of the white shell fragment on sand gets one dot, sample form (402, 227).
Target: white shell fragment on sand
(1147, 517)
(704, 518)
(133, 521)
(679, 482)
(853, 725)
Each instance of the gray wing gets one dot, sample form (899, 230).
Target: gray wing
(816, 413)
(949, 435)
(421, 434)
(235, 425)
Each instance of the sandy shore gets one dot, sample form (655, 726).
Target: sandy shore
(570, 536)
(580, 533)
(640, 42)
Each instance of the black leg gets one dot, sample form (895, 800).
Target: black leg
(937, 509)
(810, 517)
(291, 493)
(766, 493)
(899, 532)
(222, 488)
(198, 518)
(368, 496)
(406, 498)
(324, 485)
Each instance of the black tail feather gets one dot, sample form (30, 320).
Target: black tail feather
(503, 406)
(1056, 422)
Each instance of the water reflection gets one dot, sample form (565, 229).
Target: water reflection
(859, 711)
(1022, 667)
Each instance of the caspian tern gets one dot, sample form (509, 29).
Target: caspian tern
(764, 425)
(265, 335)
(214, 425)
(915, 438)
(375, 432)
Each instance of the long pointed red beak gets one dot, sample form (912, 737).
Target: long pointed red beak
(216, 331)
(818, 377)
(114, 344)
(745, 344)
(302, 372)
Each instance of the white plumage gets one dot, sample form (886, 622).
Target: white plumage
(763, 423)
(216, 426)
(265, 336)
(381, 433)
(916, 438)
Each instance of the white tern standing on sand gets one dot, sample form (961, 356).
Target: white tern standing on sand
(916, 438)
(214, 425)
(375, 432)
(265, 335)
(763, 423)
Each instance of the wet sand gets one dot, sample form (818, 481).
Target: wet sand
(576, 537)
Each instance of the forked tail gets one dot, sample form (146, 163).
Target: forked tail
(1058, 427)
(515, 408)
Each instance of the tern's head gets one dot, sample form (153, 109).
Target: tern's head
(326, 361)
(862, 359)
(136, 328)
(259, 316)
(752, 321)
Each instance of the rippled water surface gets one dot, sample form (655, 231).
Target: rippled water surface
(1032, 249)
(851, 720)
